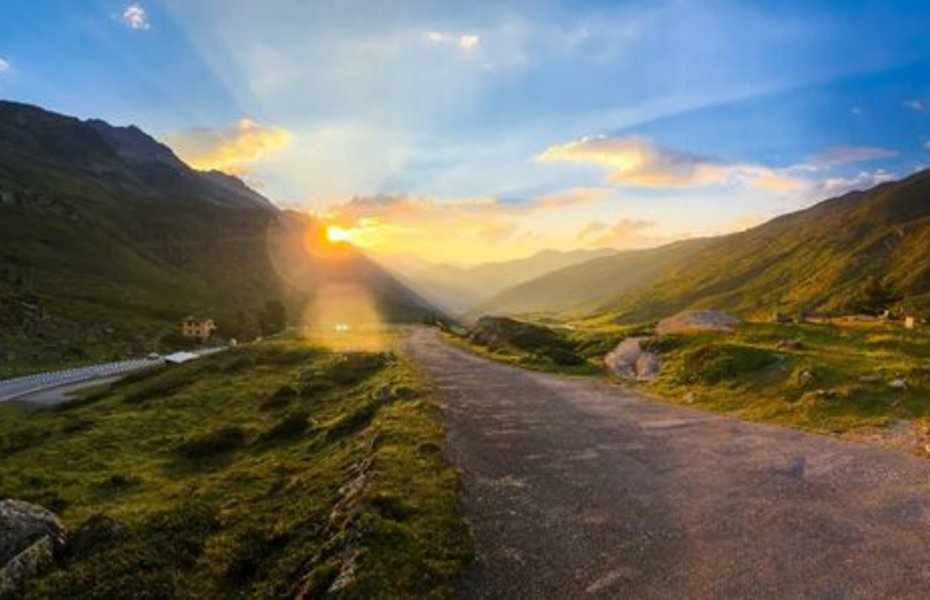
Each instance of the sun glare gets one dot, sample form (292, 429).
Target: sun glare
(335, 234)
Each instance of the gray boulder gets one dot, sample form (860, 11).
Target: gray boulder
(30, 538)
(629, 361)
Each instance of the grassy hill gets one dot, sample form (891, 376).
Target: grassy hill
(277, 469)
(109, 240)
(589, 286)
(458, 290)
(864, 251)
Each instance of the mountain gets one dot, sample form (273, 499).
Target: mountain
(586, 287)
(108, 239)
(863, 251)
(459, 289)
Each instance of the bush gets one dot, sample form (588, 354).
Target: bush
(216, 442)
(711, 364)
(291, 425)
(279, 399)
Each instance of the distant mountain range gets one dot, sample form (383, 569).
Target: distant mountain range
(107, 239)
(862, 251)
(458, 290)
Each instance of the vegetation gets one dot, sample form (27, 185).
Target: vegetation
(184, 482)
(96, 268)
(844, 375)
(862, 252)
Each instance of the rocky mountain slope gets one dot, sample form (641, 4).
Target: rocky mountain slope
(108, 239)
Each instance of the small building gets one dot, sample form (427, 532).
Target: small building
(198, 328)
(910, 322)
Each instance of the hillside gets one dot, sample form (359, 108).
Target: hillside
(109, 239)
(863, 251)
(459, 289)
(586, 287)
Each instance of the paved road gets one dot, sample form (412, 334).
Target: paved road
(20, 388)
(578, 489)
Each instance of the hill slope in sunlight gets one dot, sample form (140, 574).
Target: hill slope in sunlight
(108, 239)
(458, 290)
(863, 251)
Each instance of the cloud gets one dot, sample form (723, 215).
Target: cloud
(637, 162)
(573, 197)
(228, 149)
(136, 17)
(915, 105)
(465, 41)
(844, 155)
(4, 65)
(625, 232)
(835, 186)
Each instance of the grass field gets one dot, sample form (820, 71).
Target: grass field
(275, 469)
(840, 377)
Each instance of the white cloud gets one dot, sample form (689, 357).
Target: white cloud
(915, 105)
(135, 17)
(638, 162)
(836, 186)
(465, 41)
(4, 65)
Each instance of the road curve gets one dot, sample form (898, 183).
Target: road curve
(580, 489)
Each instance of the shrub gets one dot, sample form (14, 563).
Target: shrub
(279, 399)
(710, 364)
(291, 425)
(216, 442)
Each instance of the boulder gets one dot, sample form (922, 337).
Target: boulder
(697, 320)
(30, 539)
(629, 361)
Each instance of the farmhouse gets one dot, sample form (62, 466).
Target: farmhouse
(198, 328)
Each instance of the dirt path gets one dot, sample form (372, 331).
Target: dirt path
(580, 489)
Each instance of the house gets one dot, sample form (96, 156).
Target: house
(198, 328)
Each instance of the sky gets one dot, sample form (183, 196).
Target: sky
(486, 130)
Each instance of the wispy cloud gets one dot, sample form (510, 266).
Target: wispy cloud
(135, 17)
(844, 155)
(4, 65)
(624, 232)
(638, 162)
(465, 41)
(915, 105)
(228, 149)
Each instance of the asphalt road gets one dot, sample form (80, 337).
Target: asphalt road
(578, 489)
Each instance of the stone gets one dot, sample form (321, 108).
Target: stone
(31, 537)
(898, 384)
(629, 361)
(697, 320)
(22, 524)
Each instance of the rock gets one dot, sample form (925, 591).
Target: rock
(898, 384)
(806, 377)
(789, 343)
(22, 524)
(629, 361)
(30, 539)
(697, 320)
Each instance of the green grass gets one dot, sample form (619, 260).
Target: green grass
(185, 483)
(829, 378)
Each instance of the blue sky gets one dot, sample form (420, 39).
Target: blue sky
(514, 125)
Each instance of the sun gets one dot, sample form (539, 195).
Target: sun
(336, 234)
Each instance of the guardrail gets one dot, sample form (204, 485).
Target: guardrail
(10, 389)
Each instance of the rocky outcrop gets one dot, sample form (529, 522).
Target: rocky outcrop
(697, 320)
(629, 361)
(30, 539)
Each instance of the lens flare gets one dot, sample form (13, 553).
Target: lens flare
(337, 234)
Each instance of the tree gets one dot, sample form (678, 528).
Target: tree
(273, 318)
